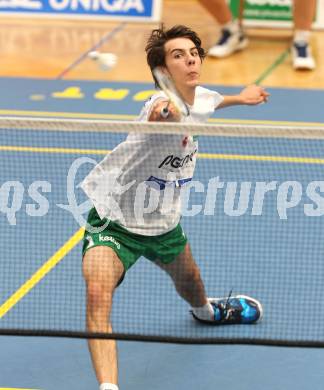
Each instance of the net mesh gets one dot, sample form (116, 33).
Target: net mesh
(253, 215)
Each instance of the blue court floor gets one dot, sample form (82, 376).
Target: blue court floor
(35, 363)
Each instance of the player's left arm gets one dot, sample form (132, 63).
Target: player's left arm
(250, 95)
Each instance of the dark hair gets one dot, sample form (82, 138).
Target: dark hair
(155, 52)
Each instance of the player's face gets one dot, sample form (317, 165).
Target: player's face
(183, 62)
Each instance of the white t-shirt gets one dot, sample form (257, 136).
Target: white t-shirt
(138, 184)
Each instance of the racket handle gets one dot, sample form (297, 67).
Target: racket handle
(165, 112)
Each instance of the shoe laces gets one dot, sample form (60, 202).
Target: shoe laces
(226, 308)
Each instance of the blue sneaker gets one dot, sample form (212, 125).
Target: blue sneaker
(239, 309)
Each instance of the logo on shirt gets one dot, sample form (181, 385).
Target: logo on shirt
(177, 162)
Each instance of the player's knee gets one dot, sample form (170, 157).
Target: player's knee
(98, 295)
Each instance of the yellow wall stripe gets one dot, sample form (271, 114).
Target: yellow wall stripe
(14, 388)
(41, 272)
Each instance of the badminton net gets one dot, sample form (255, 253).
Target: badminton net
(253, 214)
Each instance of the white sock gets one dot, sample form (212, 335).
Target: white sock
(205, 312)
(108, 386)
(233, 26)
(302, 36)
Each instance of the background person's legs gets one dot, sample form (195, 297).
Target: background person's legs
(232, 37)
(303, 15)
(218, 9)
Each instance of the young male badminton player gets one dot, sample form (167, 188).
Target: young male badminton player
(157, 162)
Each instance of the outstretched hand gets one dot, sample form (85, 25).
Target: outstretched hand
(254, 94)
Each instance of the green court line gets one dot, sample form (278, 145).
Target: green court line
(272, 67)
(106, 38)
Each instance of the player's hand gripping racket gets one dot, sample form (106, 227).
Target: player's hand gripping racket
(168, 87)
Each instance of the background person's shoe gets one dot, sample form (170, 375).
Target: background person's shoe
(302, 56)
(229, 42)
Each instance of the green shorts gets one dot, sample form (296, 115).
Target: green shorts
(129, 247)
